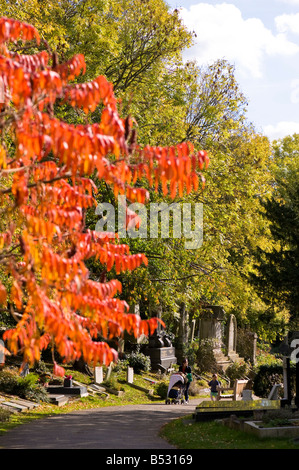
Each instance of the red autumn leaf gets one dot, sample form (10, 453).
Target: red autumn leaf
(58, 370)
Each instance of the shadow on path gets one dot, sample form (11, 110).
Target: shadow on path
(115, 427)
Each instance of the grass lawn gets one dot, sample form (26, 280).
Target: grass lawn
(186, 433)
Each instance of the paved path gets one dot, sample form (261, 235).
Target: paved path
(113, 427)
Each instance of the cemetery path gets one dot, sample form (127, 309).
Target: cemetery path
(113, 427)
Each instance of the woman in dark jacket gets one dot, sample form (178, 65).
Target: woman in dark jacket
(187, 371)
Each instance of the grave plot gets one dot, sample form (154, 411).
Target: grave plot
(210, 410)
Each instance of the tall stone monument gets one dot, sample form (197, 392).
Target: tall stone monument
(211, 326)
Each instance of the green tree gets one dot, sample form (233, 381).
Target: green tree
(277, 266)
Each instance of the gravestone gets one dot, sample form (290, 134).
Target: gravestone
(247, 394)
(274, 394)
(108, 373)
(232, 335)
(211, 326)
(193, 324)
(253, 357)
(98, 375)
(130, 375)
(25, 370)
(160, 351)
(211, 410)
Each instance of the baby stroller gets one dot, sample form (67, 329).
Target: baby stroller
(176, 388)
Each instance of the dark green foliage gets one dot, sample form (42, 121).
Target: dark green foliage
(281, 417)
(267, 376)
(277, 276)
(27, 387)
(237, 371)
(205, 360)
(161, 389)
(139, 362)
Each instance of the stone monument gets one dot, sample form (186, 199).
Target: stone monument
(211, 326)
(232, 336)
(160, 351)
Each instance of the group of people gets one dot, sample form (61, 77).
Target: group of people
(214, 384)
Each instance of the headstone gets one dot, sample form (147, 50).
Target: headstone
(109, 370)
(274, 394)
(211, 326)
(232, 335)
(130, 375)
(162, 354)
(247, 395)
(25, 370)
(193, 323)
(253, 358)
(98, 375)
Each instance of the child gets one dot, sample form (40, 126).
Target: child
(214, 384)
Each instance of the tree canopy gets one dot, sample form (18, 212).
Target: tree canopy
(277, 266)
(46, 165)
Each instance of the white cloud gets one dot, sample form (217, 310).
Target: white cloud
(281, 129)
(290, 2)
(222, 32)
(289, 22)
(295, 91)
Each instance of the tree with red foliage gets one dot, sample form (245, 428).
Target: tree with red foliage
(45, 188)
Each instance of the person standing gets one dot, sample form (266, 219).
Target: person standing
(214, 384)
(186, 369)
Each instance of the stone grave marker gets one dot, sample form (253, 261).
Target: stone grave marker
(98, 375)
(108, 374)
(247, 395)
(274, 394)
(130, 375)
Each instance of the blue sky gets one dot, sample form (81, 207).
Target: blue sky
(261, 39)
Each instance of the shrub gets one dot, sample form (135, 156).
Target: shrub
(161, 389)
(267, 376)
(9, 381)
(205, 359)
(139, 362)
(245, 340)
(4, 415)
(30, 389)
(113, 383)
(237, 370)
(280, 417)
(27, 387)
(191, 352)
